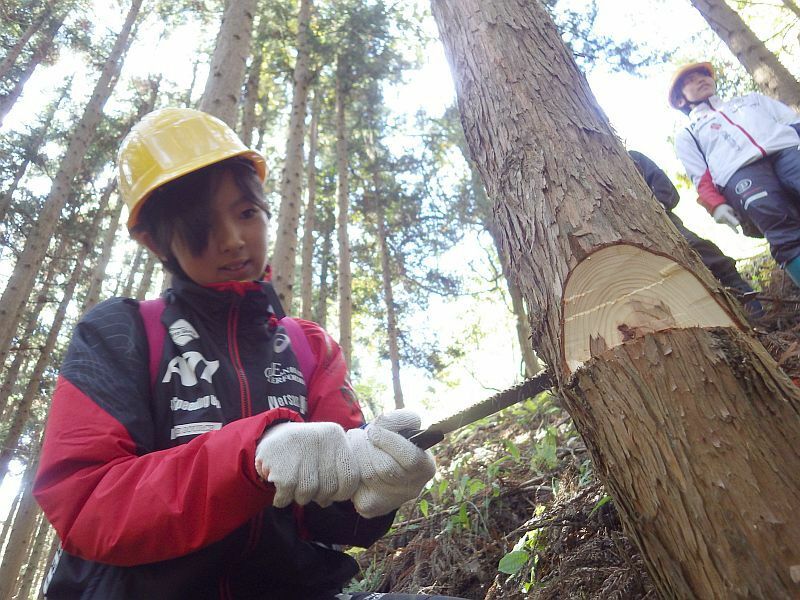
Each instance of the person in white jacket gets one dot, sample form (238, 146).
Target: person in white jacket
(743, 155)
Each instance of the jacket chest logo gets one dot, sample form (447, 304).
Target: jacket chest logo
(186, 366)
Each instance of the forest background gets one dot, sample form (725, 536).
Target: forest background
(434, 323)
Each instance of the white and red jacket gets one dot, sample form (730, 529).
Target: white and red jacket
(722, 137)
(150, 481)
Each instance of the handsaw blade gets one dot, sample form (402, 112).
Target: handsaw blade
(434, 434)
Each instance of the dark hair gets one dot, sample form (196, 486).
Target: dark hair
(182, 207)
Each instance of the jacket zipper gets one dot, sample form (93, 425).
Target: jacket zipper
(233, 351)
(246, 407)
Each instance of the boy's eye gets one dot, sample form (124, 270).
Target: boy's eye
(249, 213)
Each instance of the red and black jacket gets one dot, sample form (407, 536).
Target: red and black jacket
(151, 486)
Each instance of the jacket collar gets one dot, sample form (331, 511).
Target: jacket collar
(711, 103)
(258, 296)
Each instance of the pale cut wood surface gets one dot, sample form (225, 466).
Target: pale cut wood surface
(622, 292)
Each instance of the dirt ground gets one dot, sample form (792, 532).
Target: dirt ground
(516, 510)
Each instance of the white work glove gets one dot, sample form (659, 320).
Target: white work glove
(393, 470)
(307, 462)
(725, 215)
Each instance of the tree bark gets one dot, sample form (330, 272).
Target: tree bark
(21, 533)
(771, 77)
(252, 85)
(284, 257)
(342, 217)
(310, 214)
(22, 412)
(11, 375)
(321, 311)
(226, 74)
(33, 146)
(388, 299)
(8, 100)
(34, 562)
(22, 278)
(106, 246)
(13, 53)
(136, 267)
(691, 425)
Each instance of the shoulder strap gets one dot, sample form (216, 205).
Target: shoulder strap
(697, 143)
(151, 311)
(301, 347)
(151, 316)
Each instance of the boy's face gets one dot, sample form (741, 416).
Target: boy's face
(697, 86)
(237, 240)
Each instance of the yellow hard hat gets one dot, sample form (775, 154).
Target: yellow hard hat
(675, 86)
(169, 143)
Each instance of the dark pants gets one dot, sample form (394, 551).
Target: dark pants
(723, 267)
(768, 193)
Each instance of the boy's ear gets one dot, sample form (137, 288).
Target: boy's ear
(681, 102)
(146, 240)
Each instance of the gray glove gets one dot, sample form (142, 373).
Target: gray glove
(393, 470)
(725, 215)
(307, 462)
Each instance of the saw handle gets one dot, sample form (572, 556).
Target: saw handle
(422, 438)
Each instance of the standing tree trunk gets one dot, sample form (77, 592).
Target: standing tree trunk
(388, 299)
(22, 279)
(343, 208)
(44, 46)
(21, 532)
(13, 53)
(106, 246)
(253, 83)
(226, 74)
(310, 215)
(34, 563)
(772, 78)
(689, 422)
(33, 145)
(326, 231)
(284, 256)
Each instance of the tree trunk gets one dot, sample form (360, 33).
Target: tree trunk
(21, 282)
(252, 85)
(388, 299)
(285, 254)
(792, 6)
(321, 311)
(11, 376)
(310, 215)
(21, 533)
(136, 267)
(13, 53)
(771, 77)
(342, 217)
(8, 99)
(33, 146)
(147, 276)
(226, 75)
(106, 246)
(22, 412)
(34, 563)
(690, 424)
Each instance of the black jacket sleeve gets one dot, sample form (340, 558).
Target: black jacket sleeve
(657, 180)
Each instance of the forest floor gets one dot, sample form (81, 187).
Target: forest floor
(516, 510)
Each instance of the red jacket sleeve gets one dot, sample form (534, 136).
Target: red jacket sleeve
(111, 505)
(330, 395)
(709, 197)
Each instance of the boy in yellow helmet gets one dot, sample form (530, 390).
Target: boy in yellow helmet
(212, 448)
(743, 156)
